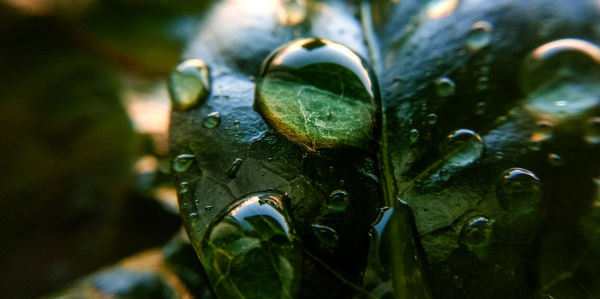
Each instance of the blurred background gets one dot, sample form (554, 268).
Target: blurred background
(85, 110)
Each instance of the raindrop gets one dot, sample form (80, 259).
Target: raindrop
(462, 148)
(211, 120)
(192, 216)
(234, 168)
(327, 236)
(338, 200)
(445, 87)
(432, 118)
(254, 235)
(183, 162)
(554, 159)
(592, 131)
(479, 36)
(208, 208)
(189, 84)
(477, 233)
(319, 94)
(519, 190)
(413, 136)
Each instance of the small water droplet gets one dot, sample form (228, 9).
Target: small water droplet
(483, 83)
(592, 131)
(234, 168)
(208, 208)
(236, 123)
(211, 120)
(479, 36)
(542, 131)
(519, 190)
(184, 188)
(432, 118)
(314, 108)
(477, 233)
(192, 216)
(444, 175)
(462, 148)
(182, 162)
(189, 84)
(561, 103)
(480, 108)
(413, 136)
(555, 160)
(254, 234)
(338, 200)
(445, 87)
(327, 236)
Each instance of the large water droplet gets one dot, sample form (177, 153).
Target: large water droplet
(444, 87)
(479, 36)
(477, 233)
(559, 60)
(234, 168)
(319, 94)
(394, 264)
(592, 130)
(462, 148)
(338, 200)
(212, 120)
(327, 236)
(520, 191)
(189, 84)
(183, 162)
(252, 251)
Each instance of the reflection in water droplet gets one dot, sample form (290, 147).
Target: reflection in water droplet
(560, 59)
(445, 87)
(554, 159)
(319, 94)
(413, 136)
(519, 190)
(183, 162)
(211, 120)
(189, 84)
(327, 236)
(253, 244)
(592, 131)
(477, 233)
(462, 148)
(234, 168)
(338, 200)
(479, 36)
(432, 118)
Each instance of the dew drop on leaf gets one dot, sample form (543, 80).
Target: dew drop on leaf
(338, 200)
(253, 237)
(233, 169)
(189, 84)
(432, 118)
(326, 236)
(445, 87)
(462, 148)
(555, 159)
(183, 162)
(479, 36)
(319, 94)
(212, 120)
(520, 191)
(413, 136)
(477, 233)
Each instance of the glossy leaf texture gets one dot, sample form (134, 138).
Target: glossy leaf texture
(484, 120)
